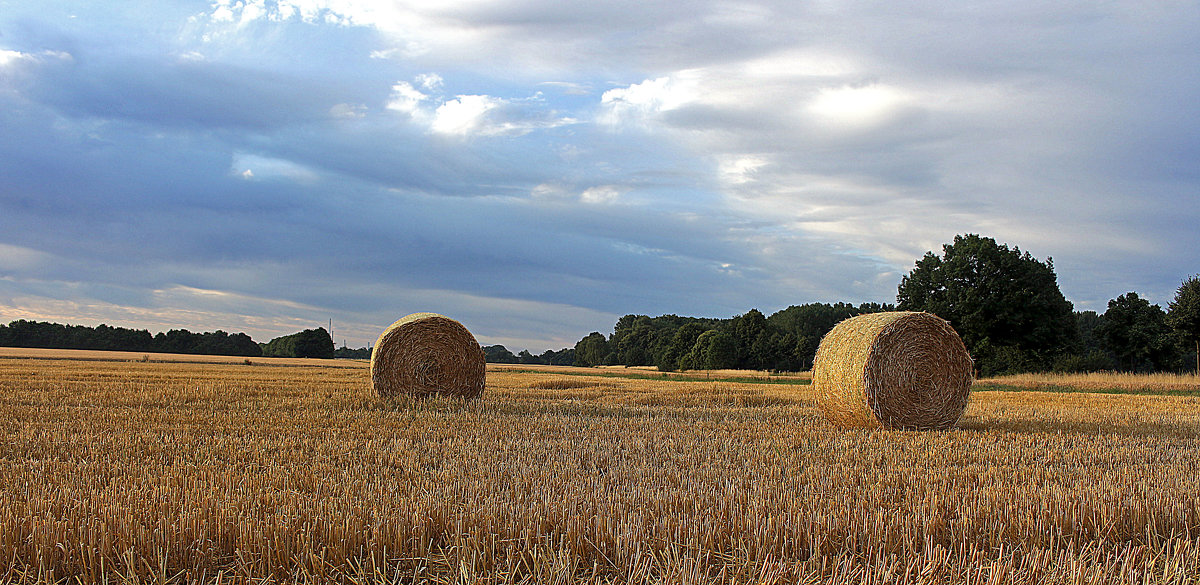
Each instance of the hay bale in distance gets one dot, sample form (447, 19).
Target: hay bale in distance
(896, 370)
(425, 354)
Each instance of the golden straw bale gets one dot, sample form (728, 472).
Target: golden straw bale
(425, 354)
(896, 370)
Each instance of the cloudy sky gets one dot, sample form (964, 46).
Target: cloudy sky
(537, 168)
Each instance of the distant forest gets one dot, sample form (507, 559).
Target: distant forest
(38, 334)
(1132, 336)
(786, 341)
(315, 343)
(501, 355)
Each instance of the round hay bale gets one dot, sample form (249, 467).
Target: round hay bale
(425, 354)
(896, 370)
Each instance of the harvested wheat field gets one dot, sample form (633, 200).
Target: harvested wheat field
(233, 473)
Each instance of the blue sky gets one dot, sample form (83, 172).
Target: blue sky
(538, 168)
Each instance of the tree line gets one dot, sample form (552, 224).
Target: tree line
(39, 334)
(1005, 304)
(310, 343)
(501, 355)
(787, 340)
(492, 354)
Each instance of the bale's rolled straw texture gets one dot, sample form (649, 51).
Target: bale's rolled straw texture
(425, 354)
(896, 370)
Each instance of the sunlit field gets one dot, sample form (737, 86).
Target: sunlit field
(163, 471)
(1101, 382)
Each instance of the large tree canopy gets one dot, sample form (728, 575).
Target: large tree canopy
(310, 343)
(1136, 333)
(1005, 304)
(1184, 316)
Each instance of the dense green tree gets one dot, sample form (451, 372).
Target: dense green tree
(104, 337)
(347, 353)
(174, 341)
(753, 335)
(783, 352)
(501, 355)
(498, 354)
(310, 343)
(673, 354)
(810, 322)
(1184, 316)
(635, 342)
(1136, 333)
(784, 341)
(240, 344)
(314, 343)
(1087, 322)
(591, 350)
(562, 357)
(1005, 304)
(1088, 354)
(714, 350)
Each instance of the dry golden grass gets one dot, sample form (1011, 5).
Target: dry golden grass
(1102, 382)
(175, 472)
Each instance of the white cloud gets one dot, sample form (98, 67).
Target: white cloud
(604, 194)
(738, 169)
(465, 115)
(430, 81)
(550, 192)
(222, 12)
(484, 115)
(800, 63)
(348, 111)
(285, 11)
(253, 10)
(471, 115)
(408, 50)
(642, 101)
(387, 16)
(406, 98)
(857, 106)
(243, 12)
(193, 57)
(7, 57)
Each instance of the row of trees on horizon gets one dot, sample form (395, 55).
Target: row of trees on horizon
(38, 334)
(1005, 304)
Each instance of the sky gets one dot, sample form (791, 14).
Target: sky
(537, 168)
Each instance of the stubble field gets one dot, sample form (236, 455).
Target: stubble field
(148, 471)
